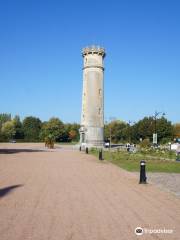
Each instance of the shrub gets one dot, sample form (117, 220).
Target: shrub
(145, 143)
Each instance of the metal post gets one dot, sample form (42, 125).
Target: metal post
(156, 114)
(100, 155)
(80, 148)
(142, 172)
(110, 139)
(87, 150)
(129, 131)
(155, 129)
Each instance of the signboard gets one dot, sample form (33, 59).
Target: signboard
(154, 138)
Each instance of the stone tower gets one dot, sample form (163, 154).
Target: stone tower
(92, 116)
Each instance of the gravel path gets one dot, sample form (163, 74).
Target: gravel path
(166, 181)
(67, 195)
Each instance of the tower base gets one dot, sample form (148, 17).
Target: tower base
(92, 136)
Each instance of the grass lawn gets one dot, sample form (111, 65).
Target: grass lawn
(131, 161)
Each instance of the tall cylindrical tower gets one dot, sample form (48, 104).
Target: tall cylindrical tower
(92, 116)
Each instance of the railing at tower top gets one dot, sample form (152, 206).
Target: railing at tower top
(93, 49)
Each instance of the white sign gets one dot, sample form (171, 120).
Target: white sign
(154, 138)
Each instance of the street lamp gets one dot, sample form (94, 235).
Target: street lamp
(129, 132)
(155, 139)
(111, 119)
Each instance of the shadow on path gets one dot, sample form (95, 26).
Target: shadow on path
(7, 190)
(10, 151)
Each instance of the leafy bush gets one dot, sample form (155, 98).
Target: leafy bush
(145, 143)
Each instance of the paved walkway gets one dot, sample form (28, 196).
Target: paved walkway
(68, 195)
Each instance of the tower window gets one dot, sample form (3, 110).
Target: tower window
(100, 91)
(99, 111)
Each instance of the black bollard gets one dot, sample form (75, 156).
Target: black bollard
(178, 156)
(142, 172)
(87, 150)
(80, 148)
(100, 155)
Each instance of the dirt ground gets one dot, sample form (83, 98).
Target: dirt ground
(64, 194)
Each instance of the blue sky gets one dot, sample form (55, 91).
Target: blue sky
(41, 62)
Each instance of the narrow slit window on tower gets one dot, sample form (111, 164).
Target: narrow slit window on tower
(100, 92)
(99, 111)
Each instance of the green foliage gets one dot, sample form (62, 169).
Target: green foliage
(31, 128)
(8, 130)
(72, 135)
(118, 131)
(166, 140)
(164, 130)
(176, 130)
(19, 134)
(55, 128)
(49, 141)
(4, 117)
(157, 153)
(71, 132)
(144, 128)
(131, 161)
(145, 143)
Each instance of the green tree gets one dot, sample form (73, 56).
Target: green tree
(165, 130)
(18, 128)
(31, 128)
(75, 127)
(67, 129)
(145, 143)
(71, 128)
(176, 130)
(115, 129)
(72, 135)
(144, 128)
(4, 117)
(54, 128)
(8, 130)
